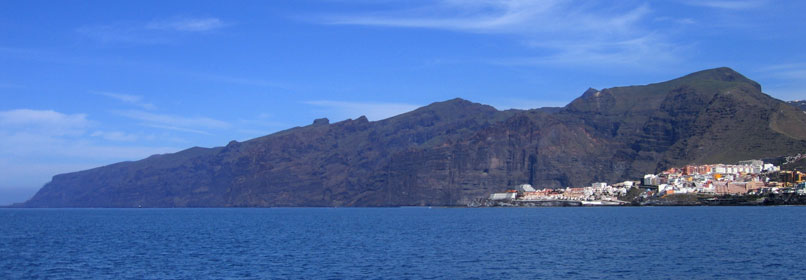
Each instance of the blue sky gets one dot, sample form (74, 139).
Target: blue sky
(93, 83)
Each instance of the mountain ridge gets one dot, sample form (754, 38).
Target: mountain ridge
(450, 152)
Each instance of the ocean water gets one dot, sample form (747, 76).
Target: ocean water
(404, 243)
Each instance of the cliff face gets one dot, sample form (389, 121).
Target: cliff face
(450, 152)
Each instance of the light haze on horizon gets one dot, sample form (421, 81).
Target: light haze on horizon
(86, 84)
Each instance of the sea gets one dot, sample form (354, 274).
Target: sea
(405, 243)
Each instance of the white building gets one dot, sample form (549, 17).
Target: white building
(525, 188)
(651, 180)
(503, 196)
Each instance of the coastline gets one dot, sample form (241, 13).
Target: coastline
(673, 200)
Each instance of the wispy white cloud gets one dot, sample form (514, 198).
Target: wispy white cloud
(41, 117)
(636, 52)
(32, 145)
(127, 33)
(682, 21)
(798, 74)
(729, 4)
(130, 99)
(48, 121)
(46, 132)
(786, 81)
(176, 128)
(514, 16)
(339, 110)
(562, 31)
(794, 71)
(477, 16)
(153, 32)
(31, 158)
(173, 122)
(115, 136)
(36, 144)
(186, 24)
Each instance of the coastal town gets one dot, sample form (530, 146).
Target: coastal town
(750, 182)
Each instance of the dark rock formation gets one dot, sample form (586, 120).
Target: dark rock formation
(451, 152)
(799, 103)
(322, 121)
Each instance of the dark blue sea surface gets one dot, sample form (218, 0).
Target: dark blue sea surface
(404, 243)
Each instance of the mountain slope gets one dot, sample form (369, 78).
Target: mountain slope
(450, 152)
(330, 163)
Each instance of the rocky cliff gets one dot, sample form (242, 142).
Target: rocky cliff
(450, 152)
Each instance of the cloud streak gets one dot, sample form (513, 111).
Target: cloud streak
(115, 136)
(563, 31)
(728, 4)
(45, 121)
(785, 81)
(518, 17)
(41, 117)
(633, 51)
(135, 100)
(28, 160)
(187, 24)
(153, 32)
(36, 144)
(176, 123)
(792, 71)
(26, 132)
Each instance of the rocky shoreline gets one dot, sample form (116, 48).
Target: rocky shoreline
(672, 200)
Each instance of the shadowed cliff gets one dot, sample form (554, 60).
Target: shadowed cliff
(450, 152)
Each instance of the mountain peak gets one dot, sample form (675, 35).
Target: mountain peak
(722, 74)
(457, 104)
(455, 101)
(591, 92)
(452, 109)
(619, 100)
